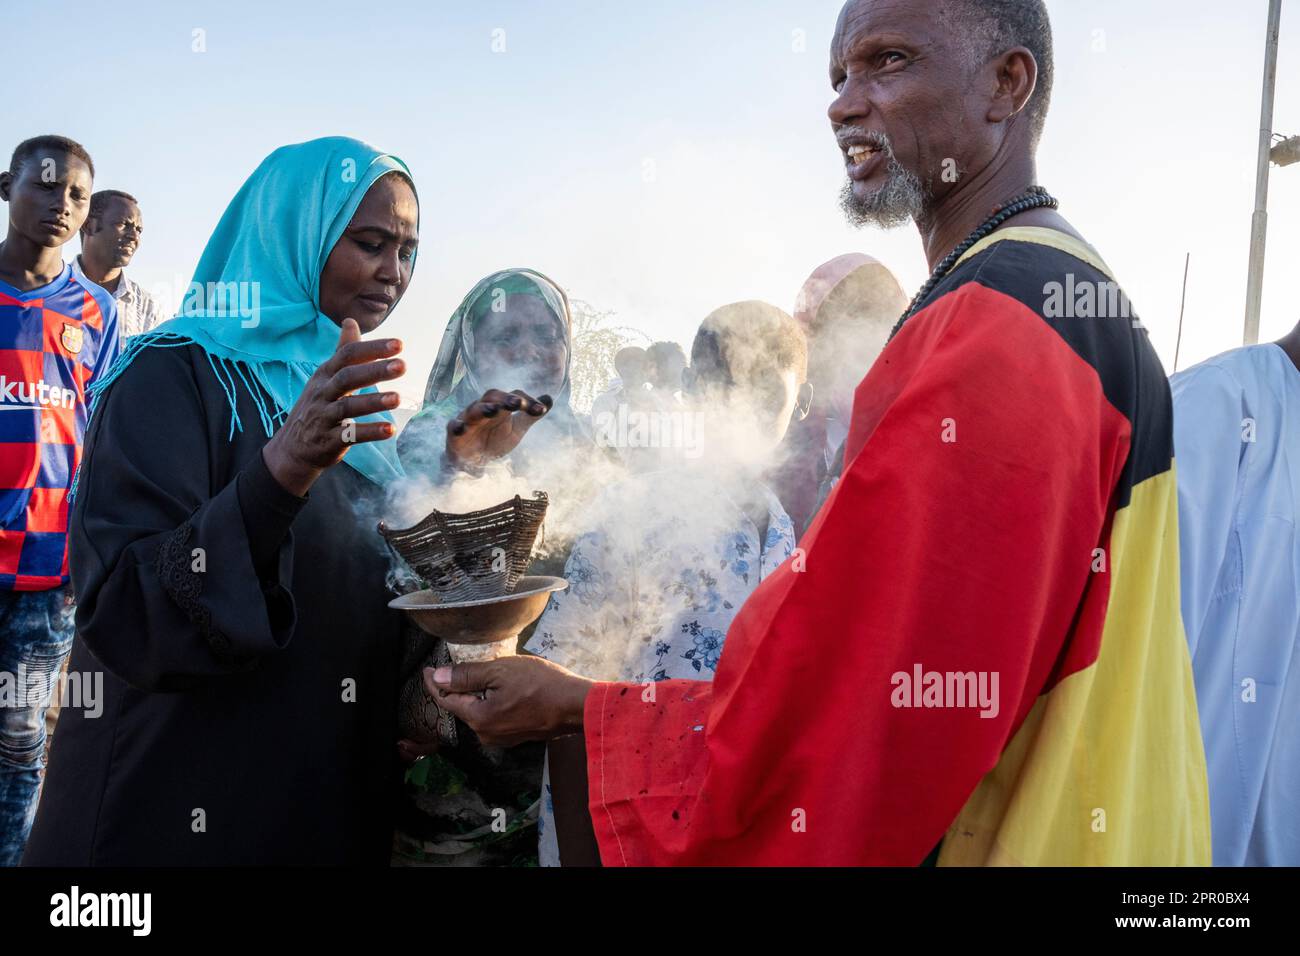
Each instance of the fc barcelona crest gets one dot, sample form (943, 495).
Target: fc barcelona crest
(71, 338)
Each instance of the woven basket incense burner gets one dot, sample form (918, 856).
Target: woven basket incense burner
(473, 556)
(476, 597)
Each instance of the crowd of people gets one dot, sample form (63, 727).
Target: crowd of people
(958, 581)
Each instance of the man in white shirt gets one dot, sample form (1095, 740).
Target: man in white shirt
(109, 238)
(1237, 445)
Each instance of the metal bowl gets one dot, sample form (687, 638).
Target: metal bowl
(484, 621)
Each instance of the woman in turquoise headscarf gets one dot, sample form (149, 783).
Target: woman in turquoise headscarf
(228, 575)
(502, 368)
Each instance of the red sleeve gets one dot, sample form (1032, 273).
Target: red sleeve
(621, 722)
(960, 539)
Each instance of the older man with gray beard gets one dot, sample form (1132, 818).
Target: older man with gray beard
(1006, 520)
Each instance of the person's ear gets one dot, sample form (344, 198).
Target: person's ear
(803, 403)
(6, 184)
(1016, 74)
(87, 228)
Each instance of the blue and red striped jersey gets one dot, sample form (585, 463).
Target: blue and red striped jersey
(54, 340)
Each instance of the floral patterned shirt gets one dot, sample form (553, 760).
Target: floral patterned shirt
(654, 585)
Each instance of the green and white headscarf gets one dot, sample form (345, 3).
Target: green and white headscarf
(455, 372)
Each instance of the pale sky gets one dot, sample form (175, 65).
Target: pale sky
(656, 159)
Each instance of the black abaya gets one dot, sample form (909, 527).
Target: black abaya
(249, 659)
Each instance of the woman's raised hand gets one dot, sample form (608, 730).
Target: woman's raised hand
(320, 428)
(491, 427)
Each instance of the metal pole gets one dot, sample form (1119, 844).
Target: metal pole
(1182, 310)
(1259, 223)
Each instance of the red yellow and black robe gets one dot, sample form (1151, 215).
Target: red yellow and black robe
(1007, 508)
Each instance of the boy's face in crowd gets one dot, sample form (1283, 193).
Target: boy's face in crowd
(48, 198)
(668, 368)
(744, 421)
(112, 237)
(771, 400)
(631, 369)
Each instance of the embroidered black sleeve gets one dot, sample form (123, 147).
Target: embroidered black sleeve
(185, 587)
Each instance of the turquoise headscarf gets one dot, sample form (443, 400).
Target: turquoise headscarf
(254, 303)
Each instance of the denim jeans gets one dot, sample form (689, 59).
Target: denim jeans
(36, 631)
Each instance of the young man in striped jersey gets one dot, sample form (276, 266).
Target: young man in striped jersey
(58, 331)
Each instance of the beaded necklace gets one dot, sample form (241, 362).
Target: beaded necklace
(1035, 198)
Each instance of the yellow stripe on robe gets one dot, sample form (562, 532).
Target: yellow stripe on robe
(1081, 783)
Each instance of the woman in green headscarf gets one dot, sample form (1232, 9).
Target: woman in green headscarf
(503, 367)
(228, 577)
(502, 372)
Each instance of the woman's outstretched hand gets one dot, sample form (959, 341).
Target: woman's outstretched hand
(511, 700)
(320, 428)
(491, 427)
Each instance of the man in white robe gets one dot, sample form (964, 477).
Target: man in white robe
(1237, 446)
